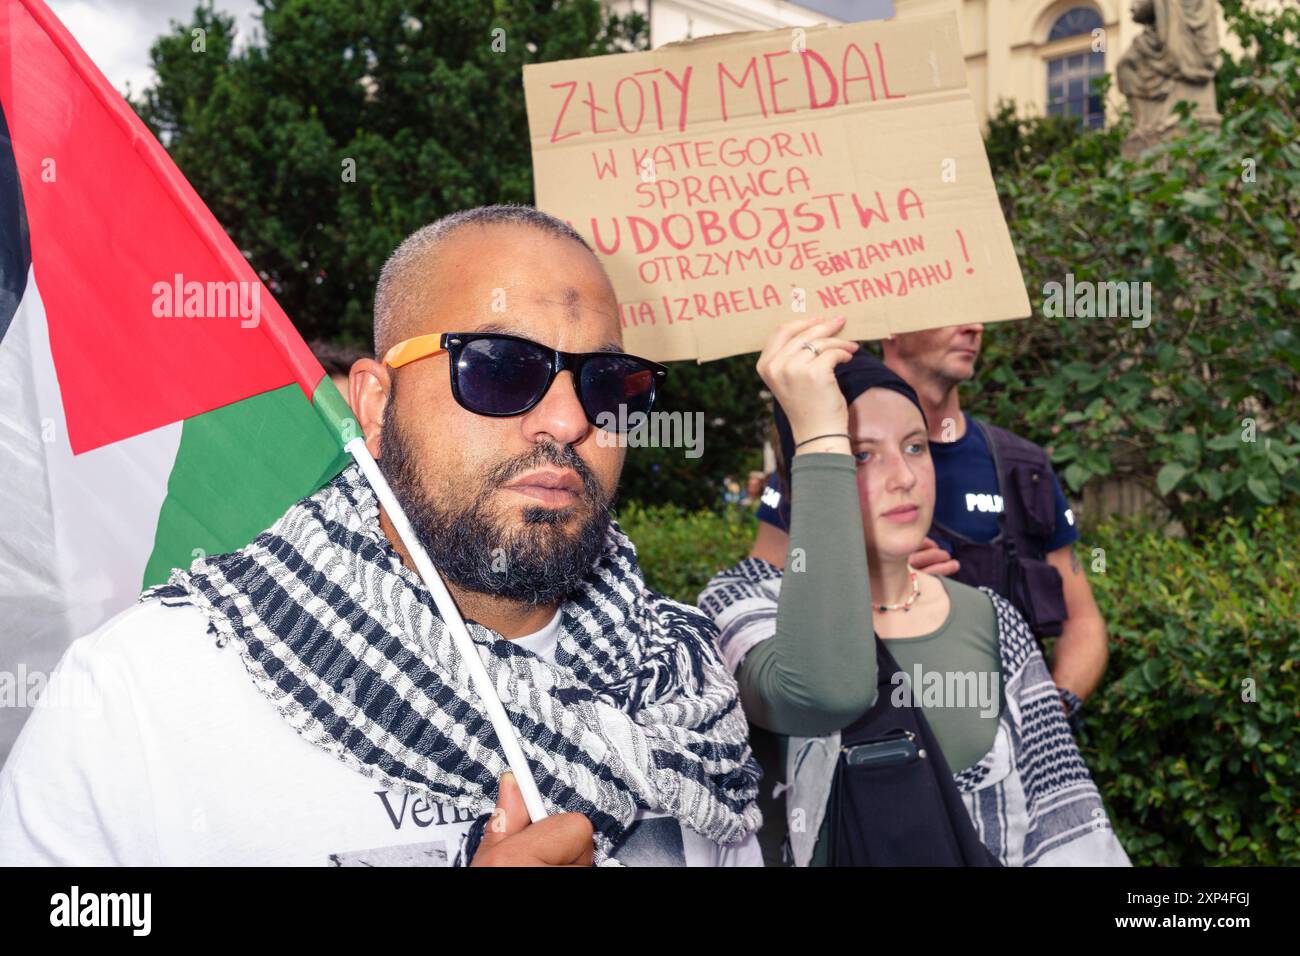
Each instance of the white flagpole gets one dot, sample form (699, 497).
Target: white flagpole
(478, 674)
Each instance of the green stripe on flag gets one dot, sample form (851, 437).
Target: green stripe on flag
(334, 408)
(240, 467)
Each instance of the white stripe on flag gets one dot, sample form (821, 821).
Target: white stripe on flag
(75, 532)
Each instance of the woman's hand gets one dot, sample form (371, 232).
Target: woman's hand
(803, 380)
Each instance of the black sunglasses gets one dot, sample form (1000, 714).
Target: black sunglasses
(502, 375)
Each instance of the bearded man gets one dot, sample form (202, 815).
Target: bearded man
(300, 701)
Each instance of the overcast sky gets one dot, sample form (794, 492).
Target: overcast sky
(117, 34)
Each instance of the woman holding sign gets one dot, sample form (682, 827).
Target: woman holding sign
(910, 719)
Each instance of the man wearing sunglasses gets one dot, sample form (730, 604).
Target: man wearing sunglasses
(300, 701)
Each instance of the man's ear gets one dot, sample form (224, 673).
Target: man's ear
(369, 385)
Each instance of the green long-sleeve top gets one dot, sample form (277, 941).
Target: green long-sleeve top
(817, 673)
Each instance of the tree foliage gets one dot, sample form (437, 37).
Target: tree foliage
(347, 124)
(1016, 143)
(1200, 407)
(424, 101)
(1193, 738)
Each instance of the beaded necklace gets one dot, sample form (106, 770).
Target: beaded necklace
(911, 599)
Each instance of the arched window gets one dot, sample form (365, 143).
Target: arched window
(1070, 76)
(1075, 21)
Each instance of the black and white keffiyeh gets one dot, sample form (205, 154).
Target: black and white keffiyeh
(1031, 797)
(638, 712)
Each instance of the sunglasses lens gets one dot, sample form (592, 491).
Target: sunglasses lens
(609, 383)
(502, 376)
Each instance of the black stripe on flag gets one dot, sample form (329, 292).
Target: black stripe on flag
(15, 243)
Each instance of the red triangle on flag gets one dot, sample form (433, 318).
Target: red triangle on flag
(111, 219)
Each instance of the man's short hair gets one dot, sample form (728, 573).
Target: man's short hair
(395, 290)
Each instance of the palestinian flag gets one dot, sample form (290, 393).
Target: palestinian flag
(156, 404)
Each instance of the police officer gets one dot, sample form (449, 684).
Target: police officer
(1001, 519)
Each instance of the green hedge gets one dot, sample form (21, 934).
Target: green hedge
(1193, 774)
(1199, 403)
(680, 550)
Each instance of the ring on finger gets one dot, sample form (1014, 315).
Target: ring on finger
(812, 348)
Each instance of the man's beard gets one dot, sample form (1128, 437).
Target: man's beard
(536, 563)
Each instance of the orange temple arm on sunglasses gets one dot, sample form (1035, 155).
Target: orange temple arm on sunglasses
(405, 352)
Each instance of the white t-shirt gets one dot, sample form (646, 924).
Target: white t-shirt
(152, 746)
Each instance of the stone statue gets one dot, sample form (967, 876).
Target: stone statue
(1173, 59)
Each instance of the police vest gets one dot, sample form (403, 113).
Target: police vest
(1014, 563)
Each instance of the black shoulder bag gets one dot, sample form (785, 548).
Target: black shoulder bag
(893, 799)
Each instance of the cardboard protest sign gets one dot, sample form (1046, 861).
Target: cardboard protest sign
(730, 184)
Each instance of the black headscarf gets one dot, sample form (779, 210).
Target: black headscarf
(854, 377)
